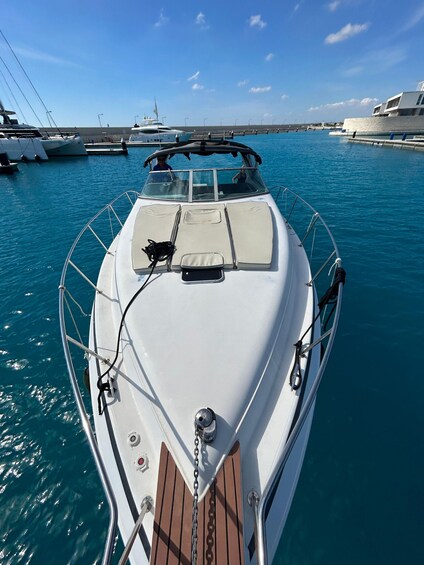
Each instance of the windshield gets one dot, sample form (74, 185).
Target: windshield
(205, 184)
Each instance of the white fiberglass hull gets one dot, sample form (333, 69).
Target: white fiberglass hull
(23, 148)
(67, 146)
(170, 137)
(226, 345)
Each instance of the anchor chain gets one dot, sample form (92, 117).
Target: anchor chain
(195, 499)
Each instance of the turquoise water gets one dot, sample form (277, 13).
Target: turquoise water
(360, 495)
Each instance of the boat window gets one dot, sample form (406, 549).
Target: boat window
(203, 185)
(166, 185)
(206, 185)
(235, 183)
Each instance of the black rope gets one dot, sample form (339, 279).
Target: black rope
(159, 251)
(330, 297)
(156, 252)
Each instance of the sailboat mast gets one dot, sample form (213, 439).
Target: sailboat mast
(29, 80)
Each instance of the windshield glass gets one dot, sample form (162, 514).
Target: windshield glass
(167, 185)
(207, 185)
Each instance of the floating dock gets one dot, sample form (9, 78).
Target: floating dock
(107, 148)
(411, 144)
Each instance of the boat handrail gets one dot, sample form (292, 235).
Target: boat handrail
(66, 339)
(259, 501)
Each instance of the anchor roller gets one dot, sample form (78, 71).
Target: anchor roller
(205, 424)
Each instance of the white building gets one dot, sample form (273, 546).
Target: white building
(402, 114)
(403, 104)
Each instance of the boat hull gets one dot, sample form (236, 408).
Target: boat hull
(23, 149)
(58, 146)
(157, 139)
(155, 400)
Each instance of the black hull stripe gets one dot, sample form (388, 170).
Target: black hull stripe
(270, 500)
(130, 499)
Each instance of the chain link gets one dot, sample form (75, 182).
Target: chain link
(195, 499)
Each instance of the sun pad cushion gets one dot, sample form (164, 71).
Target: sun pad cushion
(252, 232)
(156, 222)
(203, 230)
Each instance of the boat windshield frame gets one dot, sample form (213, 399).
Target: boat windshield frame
(206, 185)
(205, 148)
(211, 184)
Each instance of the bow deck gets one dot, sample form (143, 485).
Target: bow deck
(220, 516)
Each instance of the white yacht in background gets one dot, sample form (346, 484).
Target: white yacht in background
(153, 132)
(56, 145)
(206, 346)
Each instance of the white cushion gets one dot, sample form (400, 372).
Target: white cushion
(252, 232)
(156, 222)
(202, 261)
(203, 229)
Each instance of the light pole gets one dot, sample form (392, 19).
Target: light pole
(204, 121)
(235, 122)
(48, 112)
(98, 115)
(185, 122)
(163, 119)
(135, 118)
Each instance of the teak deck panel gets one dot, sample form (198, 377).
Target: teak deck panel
(220, 516)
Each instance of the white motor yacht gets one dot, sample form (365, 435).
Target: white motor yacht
(153, 132)
(213, 313)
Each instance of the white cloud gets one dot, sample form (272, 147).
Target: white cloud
(162, 19)
(258, 89)
(46, 57)
(297, 6)
(243, 82)
(368, 101)
(269, 57)
(284, 96)
(257, 21)
(346, 104)
(195, 76)
(197, 86)
(415, 19)
(353, 71)
(332, 6)
(349, 30)
(378, 61)
(384, 59)
(200, 19)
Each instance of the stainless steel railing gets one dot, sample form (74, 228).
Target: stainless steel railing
(115, 221)
(312, 221)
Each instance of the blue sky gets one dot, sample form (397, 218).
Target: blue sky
(209, 61)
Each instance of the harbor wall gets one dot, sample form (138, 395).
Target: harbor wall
(379, 125)
(115, 134)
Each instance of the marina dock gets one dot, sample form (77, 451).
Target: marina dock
(413, 145)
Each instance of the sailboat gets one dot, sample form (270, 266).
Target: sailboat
(59, 144)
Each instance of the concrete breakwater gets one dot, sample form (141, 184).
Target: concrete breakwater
(375, 125)
(115, 134)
